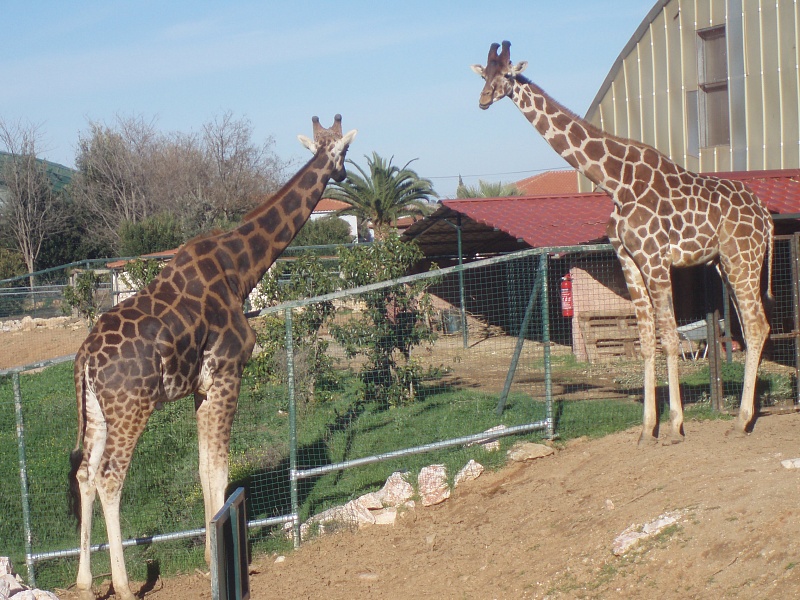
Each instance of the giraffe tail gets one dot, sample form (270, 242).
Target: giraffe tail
(770, 258)
(76, 456)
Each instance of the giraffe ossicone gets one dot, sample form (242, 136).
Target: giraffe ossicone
(185, 333)
(664, 216)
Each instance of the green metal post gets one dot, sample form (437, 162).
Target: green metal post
(512, 368)
(464, 333)
(23, 480)
(548, 370)
(292, 427)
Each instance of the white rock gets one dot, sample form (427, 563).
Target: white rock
(432, 485)
(791, 463)
(472, 470)
(385, 516)
(396, 490)
(14, 586)
(523, 451)
(491, 445)
(631, 536)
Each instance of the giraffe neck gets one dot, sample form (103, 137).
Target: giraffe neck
(576, 140)
(270, 228)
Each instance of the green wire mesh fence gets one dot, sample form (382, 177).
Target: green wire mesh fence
(349, 388)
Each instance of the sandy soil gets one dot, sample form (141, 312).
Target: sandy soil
(18, 348)
(545, 529)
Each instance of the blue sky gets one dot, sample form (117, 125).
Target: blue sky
(397, 71)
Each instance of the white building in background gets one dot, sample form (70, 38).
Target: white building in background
(713, 84)
(328, 208)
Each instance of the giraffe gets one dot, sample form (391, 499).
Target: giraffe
(185, 333)
(664, 216)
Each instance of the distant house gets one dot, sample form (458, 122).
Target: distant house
(328, 208)
(549, 183)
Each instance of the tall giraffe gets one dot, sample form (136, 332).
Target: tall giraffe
(663, 216)
(185, 333)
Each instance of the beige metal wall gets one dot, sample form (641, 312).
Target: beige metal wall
(651, 91)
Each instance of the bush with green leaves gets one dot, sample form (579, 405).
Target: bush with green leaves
(82, 297)
(324, 232)
(305, 277)
(141, 271)
(395, 319)
(161, 232)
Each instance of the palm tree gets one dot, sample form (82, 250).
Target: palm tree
(383, 193)
(486, 189)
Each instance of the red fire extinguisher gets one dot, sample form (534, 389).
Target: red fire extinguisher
(567, 308)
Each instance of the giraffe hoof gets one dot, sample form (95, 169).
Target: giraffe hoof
(736, 432)
(86, 595)
(672, 440)
(647, 440)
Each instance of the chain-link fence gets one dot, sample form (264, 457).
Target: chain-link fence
(348, 388)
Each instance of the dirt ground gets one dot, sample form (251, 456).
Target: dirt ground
(19, 348)
(545, 529)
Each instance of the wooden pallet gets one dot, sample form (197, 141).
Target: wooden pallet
(609, 335)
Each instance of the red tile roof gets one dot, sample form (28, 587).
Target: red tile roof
(542, 220)
(779, 190)
(330, 205)
(549, 183)
(491, 225)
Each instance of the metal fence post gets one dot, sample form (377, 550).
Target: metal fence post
(512, 369)
(292, 427)
(23, 480)
(548, 367)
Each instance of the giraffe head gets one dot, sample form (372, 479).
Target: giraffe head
(499, 74)
(332, 142)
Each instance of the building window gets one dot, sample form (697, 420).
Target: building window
(712, 73)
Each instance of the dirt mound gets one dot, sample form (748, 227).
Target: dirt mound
(546, 529)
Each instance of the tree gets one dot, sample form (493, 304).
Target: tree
(384, 194)
(31, 210)
(157, 233)
(129, 172)
(486, 189)
(114, 165)
(305, 277)
(241, 172)
(323, 232)
(394, 319)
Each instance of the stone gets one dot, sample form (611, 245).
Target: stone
(523, 451)
(432, 485)
(471, 471)
(14, 586)
(791, 463)
(491, 445)
(385, 516)
(396, 490)
(631, 536)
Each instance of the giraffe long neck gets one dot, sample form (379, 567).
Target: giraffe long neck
(580, 143)
(270, 228)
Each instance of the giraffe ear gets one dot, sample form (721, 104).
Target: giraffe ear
(345, 141)
(308, 143)
(479, 70)
(518, 68)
